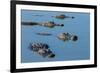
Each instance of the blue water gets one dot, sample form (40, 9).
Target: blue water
(64, 51)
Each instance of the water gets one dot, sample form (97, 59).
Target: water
(64, 51)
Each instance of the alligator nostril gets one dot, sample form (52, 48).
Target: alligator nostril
(75, 38)
(51, 56)
(62, 24)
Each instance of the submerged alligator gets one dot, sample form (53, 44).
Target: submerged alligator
(42, 49)
(43, 34)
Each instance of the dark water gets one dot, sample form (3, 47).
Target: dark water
(64, 51)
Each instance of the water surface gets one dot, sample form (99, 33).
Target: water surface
(64, 51)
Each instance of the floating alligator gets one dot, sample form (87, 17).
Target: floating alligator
(42, 49)
(62, 16)
(67, 37)
(45, 24)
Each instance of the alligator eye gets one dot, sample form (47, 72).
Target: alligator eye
(75, 38)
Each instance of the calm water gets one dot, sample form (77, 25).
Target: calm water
(64, 51)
